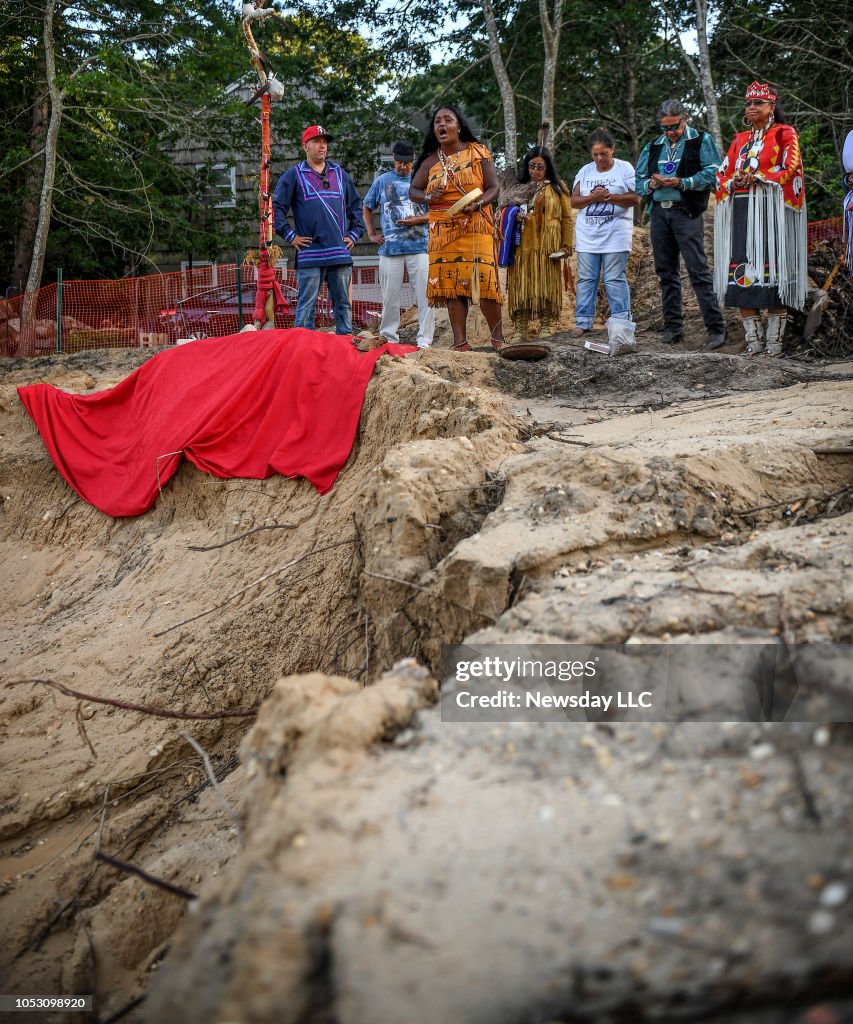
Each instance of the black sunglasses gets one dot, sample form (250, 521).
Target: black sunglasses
(325, 179)
(670, 127)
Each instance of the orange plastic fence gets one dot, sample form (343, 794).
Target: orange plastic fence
(160, 309)
(824, 231)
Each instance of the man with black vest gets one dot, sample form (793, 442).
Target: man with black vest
(677, 174)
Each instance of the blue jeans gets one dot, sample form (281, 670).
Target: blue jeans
(590, 266)
(337, 281)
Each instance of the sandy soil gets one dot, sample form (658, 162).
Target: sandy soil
(359, 860)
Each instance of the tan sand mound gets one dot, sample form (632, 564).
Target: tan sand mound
(355, 850)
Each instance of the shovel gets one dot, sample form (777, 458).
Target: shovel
(821, 298)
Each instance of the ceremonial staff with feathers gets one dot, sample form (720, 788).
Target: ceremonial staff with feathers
(269, 297)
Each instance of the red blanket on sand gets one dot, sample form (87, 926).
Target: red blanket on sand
(248, 405)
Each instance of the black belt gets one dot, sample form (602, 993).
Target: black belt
(667, 204)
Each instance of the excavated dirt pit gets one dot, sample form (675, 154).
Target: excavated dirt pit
(359, 860)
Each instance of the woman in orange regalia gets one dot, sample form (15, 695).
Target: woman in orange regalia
(760, 223)
(462, 258)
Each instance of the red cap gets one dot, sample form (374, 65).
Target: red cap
(761, 91)
(313, 131)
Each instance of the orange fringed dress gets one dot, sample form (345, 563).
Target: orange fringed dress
(462, 249)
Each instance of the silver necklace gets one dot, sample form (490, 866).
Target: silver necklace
(670, 165)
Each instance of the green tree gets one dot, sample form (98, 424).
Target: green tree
(335, 77)
(614, 67)
(94, 98)
(103, 105)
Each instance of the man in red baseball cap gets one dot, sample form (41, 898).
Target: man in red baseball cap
(327, 222)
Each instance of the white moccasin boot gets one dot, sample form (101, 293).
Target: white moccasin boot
(753, 331)
(776, 333)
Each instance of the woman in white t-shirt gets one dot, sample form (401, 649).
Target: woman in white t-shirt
(604, 196)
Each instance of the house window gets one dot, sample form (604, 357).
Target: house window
(218, 184)
(198, 276)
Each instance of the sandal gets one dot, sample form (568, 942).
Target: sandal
(498, 344)
(463, 346)
(577, 332)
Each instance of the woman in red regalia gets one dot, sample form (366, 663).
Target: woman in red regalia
(760, 225)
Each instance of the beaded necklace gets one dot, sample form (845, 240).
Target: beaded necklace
(670, 166)
(540, 188)
(449, 165)
(750, 160)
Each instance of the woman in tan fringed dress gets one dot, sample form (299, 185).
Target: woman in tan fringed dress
(535, 281)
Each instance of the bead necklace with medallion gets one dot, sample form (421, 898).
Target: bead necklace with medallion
(671, 163)
(756, 144)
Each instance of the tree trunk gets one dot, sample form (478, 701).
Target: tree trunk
(705, 77)
(27, 345)
(30, 205)
(629, 92)
(551, 46)
(504, 85)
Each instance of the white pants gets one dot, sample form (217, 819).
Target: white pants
(391, 280)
